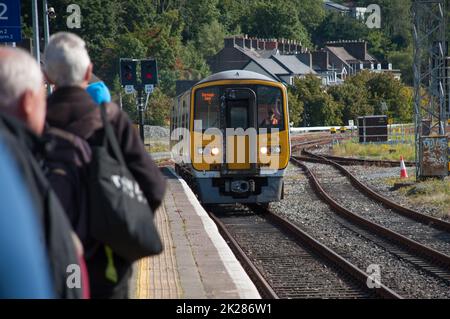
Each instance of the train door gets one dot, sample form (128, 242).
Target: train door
(239, 110)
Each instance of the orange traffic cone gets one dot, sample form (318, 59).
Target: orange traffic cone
(403, 172)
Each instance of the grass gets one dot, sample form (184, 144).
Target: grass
(156, 147)
(433, 192)
(374, 151)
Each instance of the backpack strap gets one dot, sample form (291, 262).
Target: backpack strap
(110, 137)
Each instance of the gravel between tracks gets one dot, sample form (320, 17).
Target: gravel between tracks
(374, 177)
(341, 190)
(303, 207)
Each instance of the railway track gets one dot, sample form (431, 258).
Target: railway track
(285, 262)
(358, 161)
(422, 240)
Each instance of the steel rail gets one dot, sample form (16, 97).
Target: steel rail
(358, 161)
(328, 254)
(255, 274)
(404, 211)
(303, 239)
(435, 257)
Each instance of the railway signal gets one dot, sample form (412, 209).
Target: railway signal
(128, 72)
(149, 72)
(129, 80)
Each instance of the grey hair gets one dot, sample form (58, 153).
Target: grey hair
(66, 59)
(19, 72)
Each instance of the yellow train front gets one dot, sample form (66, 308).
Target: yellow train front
(230, 137)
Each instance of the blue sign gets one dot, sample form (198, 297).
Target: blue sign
(10, 29)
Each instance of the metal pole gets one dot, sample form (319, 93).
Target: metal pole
(141, 115)
(46, 25)
(36, 49)
(46, 34)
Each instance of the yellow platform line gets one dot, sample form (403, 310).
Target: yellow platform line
(157, 276)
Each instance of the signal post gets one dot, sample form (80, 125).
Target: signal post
(148, 81)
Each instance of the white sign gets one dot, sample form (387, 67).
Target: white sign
(149, 88)
(129, 89)
(351, 123)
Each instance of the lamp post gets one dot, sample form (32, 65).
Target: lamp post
(36, 49)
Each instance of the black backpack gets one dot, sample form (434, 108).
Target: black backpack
(118, 213)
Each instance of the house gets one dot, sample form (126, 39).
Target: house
(335, 7)
(271, 57)
(349, 57)
(346, 9)
(284, 60)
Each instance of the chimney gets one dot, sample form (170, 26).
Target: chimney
(356, 48)
(248, 43)
(321, 59)
(239, 41)
(255, 43)
(271, 44)
(229, 42)
(261, 44)
(305, 58)
(281, 45)
(293, 47)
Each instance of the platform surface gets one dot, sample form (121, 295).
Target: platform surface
(196, 262)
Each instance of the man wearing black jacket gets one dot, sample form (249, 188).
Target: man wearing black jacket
(70, 108)
(22, 119)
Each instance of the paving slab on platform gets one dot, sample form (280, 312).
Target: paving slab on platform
(196, 262)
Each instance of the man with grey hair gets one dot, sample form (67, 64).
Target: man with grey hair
(22, 120)
(22, 92)
(71, 108)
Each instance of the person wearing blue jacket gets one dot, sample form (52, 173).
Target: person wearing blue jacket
(24, 266)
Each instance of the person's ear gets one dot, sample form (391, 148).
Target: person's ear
(25, 106)
(88, 74)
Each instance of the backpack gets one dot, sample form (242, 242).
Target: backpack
(118, 214)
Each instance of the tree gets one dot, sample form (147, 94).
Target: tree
(197, 13)
(352, 100)
(403, 60)
(296, 108)
(274, 19)
(384, 88)
(319, 107)
(311, 13)
(210, 38)
(338, 27)
(158, 110)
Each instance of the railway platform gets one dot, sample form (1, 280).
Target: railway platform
(196, 262)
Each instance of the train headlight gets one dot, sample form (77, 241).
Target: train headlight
(215, 151)
(275, 150)
(199, 150)
(263, 150)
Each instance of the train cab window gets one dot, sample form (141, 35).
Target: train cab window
(238, 114)
(270, 107)
(207, 107)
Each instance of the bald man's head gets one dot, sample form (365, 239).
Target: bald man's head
(22, 92)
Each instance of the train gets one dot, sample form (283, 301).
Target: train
(230, 138)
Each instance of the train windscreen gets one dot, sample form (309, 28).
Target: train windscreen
(270, 112)
(270, 107)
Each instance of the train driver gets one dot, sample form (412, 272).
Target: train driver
(270, 120)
